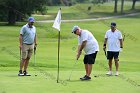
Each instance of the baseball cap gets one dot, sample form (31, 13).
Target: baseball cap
(31, 19)
(75, 28)
(113, 24)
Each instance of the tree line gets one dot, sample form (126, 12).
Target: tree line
(16, 10)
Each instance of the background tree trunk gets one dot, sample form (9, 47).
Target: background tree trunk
(122, 4)
(115, 6)
(11, 17)
(133, 5)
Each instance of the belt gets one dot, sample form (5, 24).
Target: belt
(27, 44)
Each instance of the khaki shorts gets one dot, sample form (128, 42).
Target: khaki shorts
(27, 51)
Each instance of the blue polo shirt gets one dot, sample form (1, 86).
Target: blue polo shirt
(28, 34)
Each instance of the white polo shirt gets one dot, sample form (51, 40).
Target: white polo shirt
(28, 34)
(113, 40)
(91, 45)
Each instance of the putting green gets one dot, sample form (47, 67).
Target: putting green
(45, 82)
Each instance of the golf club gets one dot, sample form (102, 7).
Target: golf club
(123, 37)
(72, 69)
(20, 55)
(20, 59)
(123, 41)
(105, 53)
(34, 55)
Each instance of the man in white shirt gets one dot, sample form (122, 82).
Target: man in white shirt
(88, 43)
(114, 39)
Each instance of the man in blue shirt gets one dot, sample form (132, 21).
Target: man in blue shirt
(27, 43)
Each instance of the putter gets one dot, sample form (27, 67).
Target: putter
(123, 41)
(123, 37)
(34, 56)
(105, 53)
(72, 69)
(20, 59)
(20, 55)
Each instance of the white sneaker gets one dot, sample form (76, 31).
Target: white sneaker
(20, 74)
(109, 73)
(117, 73)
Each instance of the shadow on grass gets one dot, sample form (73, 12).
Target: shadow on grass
(72, 80)
(79, 80)
(102, 75)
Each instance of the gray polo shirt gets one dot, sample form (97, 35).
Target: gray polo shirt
(28, 34)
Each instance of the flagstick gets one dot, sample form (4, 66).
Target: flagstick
(56, 25)
(58, 56)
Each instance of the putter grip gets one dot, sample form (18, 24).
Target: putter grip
(34, 48)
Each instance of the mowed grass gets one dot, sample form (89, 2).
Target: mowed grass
(80, 11)
(45, 83)
(46, 60)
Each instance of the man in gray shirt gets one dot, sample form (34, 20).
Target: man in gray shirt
(28, 42)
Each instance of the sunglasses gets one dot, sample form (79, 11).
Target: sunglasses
(75, 31)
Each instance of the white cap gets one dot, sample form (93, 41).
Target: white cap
(75, 28)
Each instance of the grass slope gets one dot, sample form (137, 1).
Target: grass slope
(80, 11)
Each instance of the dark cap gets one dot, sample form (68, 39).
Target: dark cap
(113, 24)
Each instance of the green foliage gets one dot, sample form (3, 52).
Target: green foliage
(18, 9)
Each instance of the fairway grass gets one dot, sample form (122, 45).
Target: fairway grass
(46, 60)
(80, 11)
